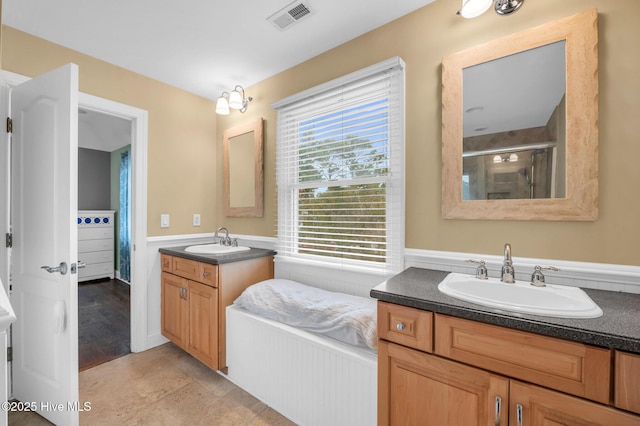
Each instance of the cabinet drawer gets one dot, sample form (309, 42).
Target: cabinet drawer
(95, 233)
(570, 367)
(96, 270)
(196, 271)
(95, 245)
(96, 257)
(407, 326)
(186, 268)
(166, 263)
(627, 387)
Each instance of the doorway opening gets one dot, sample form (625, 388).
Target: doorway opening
(104, 238)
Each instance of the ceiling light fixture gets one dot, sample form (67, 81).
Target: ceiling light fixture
(475, 8)
(236, 100)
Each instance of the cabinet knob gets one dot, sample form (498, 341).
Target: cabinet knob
(165, 263)
(400, 326)
(205, 274)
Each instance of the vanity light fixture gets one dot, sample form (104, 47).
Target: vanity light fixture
(506, 159)
(236, 100)
(475, 8)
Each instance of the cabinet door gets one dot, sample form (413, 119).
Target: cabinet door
(202, 340)
(415, 388)
(534, 406)
(174, 309)
(627, 385)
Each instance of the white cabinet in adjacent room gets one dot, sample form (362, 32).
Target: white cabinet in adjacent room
(96, 241)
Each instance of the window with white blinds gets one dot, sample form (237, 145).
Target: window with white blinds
(340, 170)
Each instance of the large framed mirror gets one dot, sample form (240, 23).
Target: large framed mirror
(243, 170)
(520, 125)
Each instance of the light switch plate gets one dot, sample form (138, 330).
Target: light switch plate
(196, 219)
(164, 221)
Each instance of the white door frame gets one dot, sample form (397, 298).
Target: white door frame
(139, 148)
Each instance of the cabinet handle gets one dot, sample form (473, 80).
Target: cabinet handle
(496, 422)
(205, 274)
(519, 414)
(400, 326)
(186, 294)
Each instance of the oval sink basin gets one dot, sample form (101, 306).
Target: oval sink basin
(214, 249)
(552, 300)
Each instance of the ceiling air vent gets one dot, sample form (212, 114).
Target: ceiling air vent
(289, 15)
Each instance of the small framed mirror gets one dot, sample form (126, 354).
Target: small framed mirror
(243, 170)
(520, 125)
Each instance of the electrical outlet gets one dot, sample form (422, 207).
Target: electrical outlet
(196, 219)
(164, 221)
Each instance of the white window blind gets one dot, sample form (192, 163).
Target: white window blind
(340, 170)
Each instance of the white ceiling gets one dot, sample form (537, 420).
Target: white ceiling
(519, 91)
(102, 132)
(203, 47)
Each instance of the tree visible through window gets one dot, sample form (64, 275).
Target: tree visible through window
(343, 157)
(340, 177)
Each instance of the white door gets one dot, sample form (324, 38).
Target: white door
(43, 217)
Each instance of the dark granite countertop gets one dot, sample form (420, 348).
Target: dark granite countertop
(618, 328)
(218, 259)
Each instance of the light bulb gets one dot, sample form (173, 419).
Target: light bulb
(222, 106)
(474, 8)
(235, 100)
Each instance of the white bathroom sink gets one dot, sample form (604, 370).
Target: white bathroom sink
(215, 249)
(552, 300)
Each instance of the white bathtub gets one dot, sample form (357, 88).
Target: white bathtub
(310, 379)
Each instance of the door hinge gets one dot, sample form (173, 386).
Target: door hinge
(9, 125)
(9, 353)
(8, 240)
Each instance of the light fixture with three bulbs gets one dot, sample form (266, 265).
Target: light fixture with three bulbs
(236, 100)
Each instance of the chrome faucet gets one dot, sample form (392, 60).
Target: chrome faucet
(508, 273)
(224, 241)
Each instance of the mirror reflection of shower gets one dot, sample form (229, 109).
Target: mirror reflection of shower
(515, 172)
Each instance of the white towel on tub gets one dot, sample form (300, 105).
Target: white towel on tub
(344, 317)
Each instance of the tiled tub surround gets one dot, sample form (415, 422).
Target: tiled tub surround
(618, 328)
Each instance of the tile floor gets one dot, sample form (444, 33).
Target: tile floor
(165, 386)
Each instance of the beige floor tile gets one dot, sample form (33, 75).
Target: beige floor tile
(163, 386)
(166, 386)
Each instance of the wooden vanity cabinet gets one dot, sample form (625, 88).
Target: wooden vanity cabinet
(480, 374)
(415, 388)
(627, 381)
(194, 297)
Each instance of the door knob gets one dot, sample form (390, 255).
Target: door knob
(62, 268)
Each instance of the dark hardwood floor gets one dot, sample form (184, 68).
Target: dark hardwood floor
(104, 327)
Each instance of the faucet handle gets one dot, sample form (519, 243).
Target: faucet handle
(481, 270)
(537, 278)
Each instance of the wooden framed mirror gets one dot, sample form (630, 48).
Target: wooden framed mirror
(243, 170)
(514, 146)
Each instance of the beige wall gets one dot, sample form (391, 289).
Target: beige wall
(422, 39)
(182, 127)
(184, 178)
